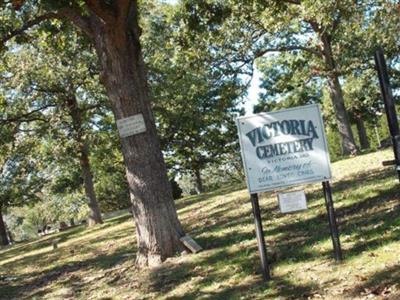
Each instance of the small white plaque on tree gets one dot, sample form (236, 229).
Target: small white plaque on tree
(292, 201)
(131, 125)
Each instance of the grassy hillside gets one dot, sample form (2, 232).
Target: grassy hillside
(98, 263)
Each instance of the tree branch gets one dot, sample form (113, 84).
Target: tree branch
(288, 49)
(77, 19)
(91, 107)
(27, 25)
(71, 14)
(27, 117)
(100, 9)
(293, 1)
(47, 90)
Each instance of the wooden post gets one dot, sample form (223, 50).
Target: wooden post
(332, 221)
(260, 237)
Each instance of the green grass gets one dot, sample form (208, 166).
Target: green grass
(98, 263)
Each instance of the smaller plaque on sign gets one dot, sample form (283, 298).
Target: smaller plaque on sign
(293, 201)
(131, 125)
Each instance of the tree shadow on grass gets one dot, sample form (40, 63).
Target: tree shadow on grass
(204, 279)
(207, 275)
(36, 285)
(190, 200)
(357, 218)
(60, 237)
(51, 256)
(384, 283)
(39, 243)
(355, 181)
(290, 241)
(362, 179)
(295, 238)
(68, 275)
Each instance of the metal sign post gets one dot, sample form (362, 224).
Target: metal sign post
(332, 221)
(260, 237)
(389, 105)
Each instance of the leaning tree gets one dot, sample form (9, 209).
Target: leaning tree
(250, 30)
(113, 29)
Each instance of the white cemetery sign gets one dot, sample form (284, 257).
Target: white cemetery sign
(284, 148)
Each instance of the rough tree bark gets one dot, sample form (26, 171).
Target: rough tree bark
(3, 233)
(115, 34)
(199, 181)
(362, 133)
(336, 94)
(114, 30)
(83, 149)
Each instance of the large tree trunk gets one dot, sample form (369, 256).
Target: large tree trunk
(3, 233)
(362, 133)
(76, 115)
(199, 181)
(123, 73)
(336, 94)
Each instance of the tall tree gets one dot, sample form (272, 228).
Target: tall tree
(113, 28)
(20, 180)
(253, 29)
(195, 104)
(18, 168)
(287, 80)
(363, 101)
(355, 39)
(48, 80)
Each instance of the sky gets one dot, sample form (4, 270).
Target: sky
(252, 93)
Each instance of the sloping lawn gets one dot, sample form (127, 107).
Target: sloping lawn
(98, 263)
